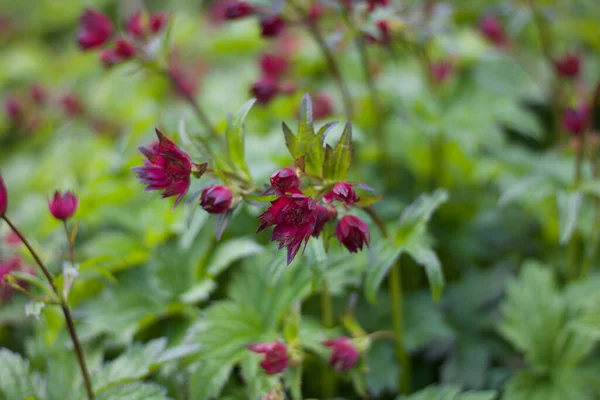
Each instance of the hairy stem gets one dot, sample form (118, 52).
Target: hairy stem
(328, 381)
(65, 308)
(395, 289)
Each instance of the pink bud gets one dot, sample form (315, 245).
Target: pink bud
(273, 65)
(492, 29)
(353, 233)
(574, 120)
(285, 179)
(265, 90)
(135, 25)
(3, 197)
(12, 239)
(441, 71)
(568, 66)
(71, 104)
(14, 110)
(158, 21)
(322, 106)
(343, 355)
(124, 48)
(315, 13)
(109, 58)
(272, 26)
(343, 192)
(63, 206)
(38, 94)
(276, 356)
(216, 199)
(95, 29)
(238, 9)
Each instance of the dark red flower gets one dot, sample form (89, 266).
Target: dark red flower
(276, 356)
(71, 104)
(14, 110)
(322, 106)
(184, 84)
(568, 66)
(574, 120)
(441, 71)
(272, 26)
(343, 192)
(216, 199)
(314, 14)
(38, 94)
(324, 215)
(492, 29)
(294, 216)
(124, 48)
(343, 355)
(135, 25)
(62, 206)
(265, 90)
(373, 4)
(110, 57)
(238, 9)
(167, 168)
(273, 65)
(3, 197)
(285, 179)
(352, 232)
(158, 21)
(385, 36)
(95, 29)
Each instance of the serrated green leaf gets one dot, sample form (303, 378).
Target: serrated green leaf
(415, 217)
(229, 252)
(423, 254)
(383, 258)
(134, 391)
(562, 384)
(17, 379)
(235, 139)
(337, 161)
(449, 392)
(569, 205)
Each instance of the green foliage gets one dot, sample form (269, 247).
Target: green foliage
(18, 380)
(235, 139)
(448, 393)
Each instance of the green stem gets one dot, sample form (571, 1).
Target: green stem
(328, 382)
(395, 289)
(65, 308)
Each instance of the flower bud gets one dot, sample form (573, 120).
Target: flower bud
(273, 65)
(135, 25)
(492, 30)
(343, 355)
(315, 13)
(276, 356)
(352, 232)
(574, 120)
(285, 179)
(238, 9)
(63, 206)
(71, 104)
(124, 48)
(265, 90)
(568, 66)
(158, 21)
(441, 71)
(3, 197)
(373, 4)
(322, 106)
(95, 29)
(343, 192)
(14, 110)
(216, 199)
(38, 94)
(272, 26)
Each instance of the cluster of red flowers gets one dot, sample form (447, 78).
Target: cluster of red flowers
(96, 29)
(296, 217)
(271, 24)
(344, 355)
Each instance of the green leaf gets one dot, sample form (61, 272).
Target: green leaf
(519, 189)
(423, 254)
(417, 214)
(337, 161)
(229, 252)
(383, 258)
(17, 380)
(561, 384)
(235, 139)
(569, 205)
(449, 392)
(134, 391)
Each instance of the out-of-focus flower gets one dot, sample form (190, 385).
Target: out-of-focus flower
(271, 26)
(158, 20)
(110, 58)
(167, 168)
(574, 120)
(12, 264)
(342, 191)
(353, 233)
(3, 197)
(441, 71)
(324, 215)
(62, 206)
(294, 216)
(184, 84)
(568, 66)
(273, 65)
(285, 179)
(216, 199)
(71, 104)
(276, 356)
(322, 106)
(95, 29)
(12, 239)
(238, 9)
(14, 110)
(123, 51)
(373, 4)
(491, 28)
(343, 355)
(265, 90)
(135, 25)
(38, 94)
(315, 13)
